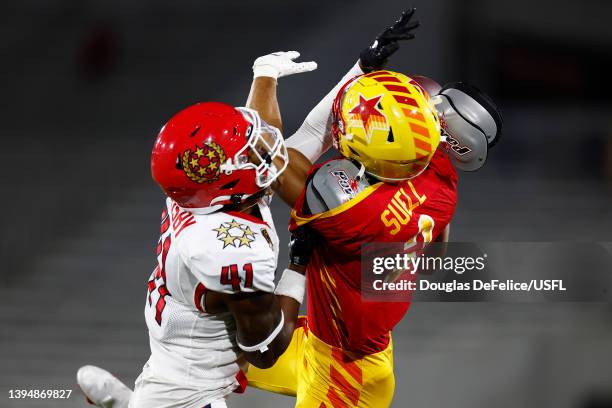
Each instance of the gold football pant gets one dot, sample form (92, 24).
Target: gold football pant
(323, 376)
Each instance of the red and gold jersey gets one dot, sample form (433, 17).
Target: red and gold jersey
(419, 209)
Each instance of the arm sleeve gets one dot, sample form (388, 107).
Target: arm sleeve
(313, 138)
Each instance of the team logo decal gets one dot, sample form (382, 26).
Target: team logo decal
(451, 142)
(348, 185)
(204, 162)
(455, 145)
(265, 234)
(367, 115)
(235, 234)
(442, 120)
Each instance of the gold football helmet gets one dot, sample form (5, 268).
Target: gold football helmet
(385, 121)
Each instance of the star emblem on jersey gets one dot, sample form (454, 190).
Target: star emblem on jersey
(203, 163)
(235, 234)
(367, 115)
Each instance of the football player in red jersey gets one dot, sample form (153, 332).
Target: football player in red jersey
(395, 182)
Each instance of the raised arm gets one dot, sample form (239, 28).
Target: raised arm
(262, 98)
(310, 141)
(313, 138)
(266, 71)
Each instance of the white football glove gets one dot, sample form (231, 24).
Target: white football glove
(280, 64)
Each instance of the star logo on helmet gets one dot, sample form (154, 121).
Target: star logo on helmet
(367, 115)
(235, 234)
(203, 163)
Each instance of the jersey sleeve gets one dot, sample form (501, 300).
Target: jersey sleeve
(231, 259)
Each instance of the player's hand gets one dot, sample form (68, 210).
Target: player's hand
(280, 64)
(375, 56)
(300, 247)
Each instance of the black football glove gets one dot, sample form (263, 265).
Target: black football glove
(300, 246)
(375, 56)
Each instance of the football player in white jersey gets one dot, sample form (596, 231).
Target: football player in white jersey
(212, 306)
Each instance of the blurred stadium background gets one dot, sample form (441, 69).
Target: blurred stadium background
(87, 84)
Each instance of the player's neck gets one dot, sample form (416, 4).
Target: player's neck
(248, 207)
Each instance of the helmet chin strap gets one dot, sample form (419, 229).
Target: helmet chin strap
(247, 201)
(216, 206)
(361, 172)
(250, 205)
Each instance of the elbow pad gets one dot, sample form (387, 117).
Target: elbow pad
(471, 123)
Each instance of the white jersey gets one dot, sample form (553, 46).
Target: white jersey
(224, 252)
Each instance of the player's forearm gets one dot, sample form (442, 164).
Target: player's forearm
(290, 184)
(271, 330)
(263, 331)
(277, 347)
(262, 98)
(290, 308)
(266, 70)
(290, 291)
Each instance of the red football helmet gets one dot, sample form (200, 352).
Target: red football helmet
(212, 154)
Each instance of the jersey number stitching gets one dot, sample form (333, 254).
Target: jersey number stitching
(230, 276)
(159, 275)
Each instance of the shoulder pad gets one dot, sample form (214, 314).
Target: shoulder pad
(333, 184)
